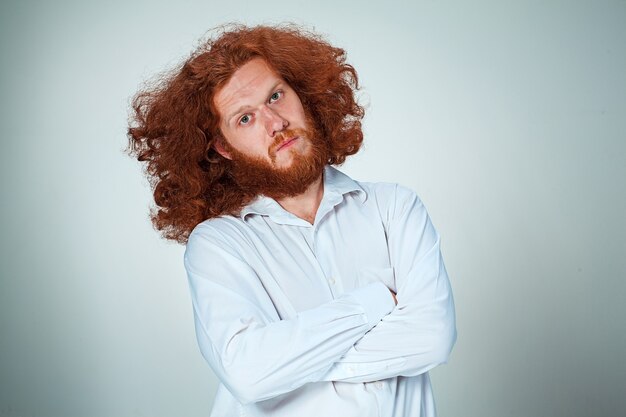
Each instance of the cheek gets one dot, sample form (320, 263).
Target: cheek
(254, 140)
(298, 111)
(245, 136)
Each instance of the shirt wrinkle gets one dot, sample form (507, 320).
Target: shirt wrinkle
(314, 326)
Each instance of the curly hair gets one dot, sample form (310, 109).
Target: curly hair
(174, 121)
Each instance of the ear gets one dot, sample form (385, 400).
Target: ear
(219, 147)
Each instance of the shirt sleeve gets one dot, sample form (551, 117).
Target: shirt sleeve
(253, 352)
(420, 332)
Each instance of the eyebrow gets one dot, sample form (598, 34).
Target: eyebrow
(245, 107)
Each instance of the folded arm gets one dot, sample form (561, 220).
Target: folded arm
(255, 354)
(420, 332)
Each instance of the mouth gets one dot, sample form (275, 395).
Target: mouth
(287, 143)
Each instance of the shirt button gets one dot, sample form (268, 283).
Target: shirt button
(331, 281)
(350, 370)
(379, 385)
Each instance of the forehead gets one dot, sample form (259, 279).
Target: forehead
(249, 84)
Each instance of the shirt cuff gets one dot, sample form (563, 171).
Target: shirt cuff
(376, 300)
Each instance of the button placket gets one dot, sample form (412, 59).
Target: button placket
(327, 274)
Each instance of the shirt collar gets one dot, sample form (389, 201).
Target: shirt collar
(336, 186)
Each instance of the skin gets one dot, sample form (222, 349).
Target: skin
(255, 105)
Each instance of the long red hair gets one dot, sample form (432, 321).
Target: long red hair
(174, 122)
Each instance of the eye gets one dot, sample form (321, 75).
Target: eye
(245, 119)
(275, 96)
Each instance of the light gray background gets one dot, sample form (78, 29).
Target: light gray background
(508, 118)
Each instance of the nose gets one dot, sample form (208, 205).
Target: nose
(274, 122)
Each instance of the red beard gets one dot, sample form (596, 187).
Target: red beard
(258, 176)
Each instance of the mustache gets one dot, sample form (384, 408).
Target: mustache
(283, 136)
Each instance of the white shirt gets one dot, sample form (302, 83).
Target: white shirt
(297, 319)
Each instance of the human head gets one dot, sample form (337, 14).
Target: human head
(274, 146)
(174, 124)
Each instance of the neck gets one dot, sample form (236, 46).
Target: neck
(305, 205)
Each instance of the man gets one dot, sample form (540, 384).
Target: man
(313, 294)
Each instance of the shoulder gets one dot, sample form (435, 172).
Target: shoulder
(391, 198)
(224, 233)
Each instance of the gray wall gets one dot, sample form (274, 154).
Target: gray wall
(508, 118)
